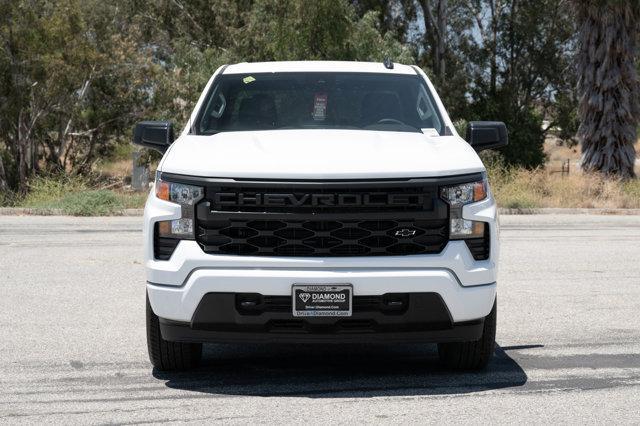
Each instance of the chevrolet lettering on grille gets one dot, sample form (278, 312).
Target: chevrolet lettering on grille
(315, 200)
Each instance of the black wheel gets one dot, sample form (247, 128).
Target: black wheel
(165, 355)
(473, 355)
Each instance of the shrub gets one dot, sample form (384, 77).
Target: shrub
(44, 191)
(524, 125)
(76, 196)
(90, 203)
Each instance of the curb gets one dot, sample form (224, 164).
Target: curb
(21, 211)
(570, 211)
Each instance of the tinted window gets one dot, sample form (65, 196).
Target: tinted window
(318, 100)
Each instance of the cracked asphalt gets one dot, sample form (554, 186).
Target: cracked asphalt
(73, 350)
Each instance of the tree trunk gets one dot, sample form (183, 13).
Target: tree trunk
(436, 32)
(23, 161)
(442, 32)
(607, 85)
(4, 185)
(27, 154)
(494, 48)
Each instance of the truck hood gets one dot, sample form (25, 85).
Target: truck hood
(320, 154)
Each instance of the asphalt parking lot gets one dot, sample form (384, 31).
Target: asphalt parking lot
(73, 350)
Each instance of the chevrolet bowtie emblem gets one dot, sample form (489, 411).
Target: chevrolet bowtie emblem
(404, 232)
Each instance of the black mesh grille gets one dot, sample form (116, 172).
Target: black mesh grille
(369, 218)
(322, 237)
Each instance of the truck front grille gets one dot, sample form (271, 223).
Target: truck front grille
(322, 218)
(322, 237)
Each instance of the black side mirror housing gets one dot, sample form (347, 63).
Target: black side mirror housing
(483, 135)
(156, 135)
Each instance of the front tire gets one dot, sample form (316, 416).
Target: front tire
(169, 356)
(474, 355)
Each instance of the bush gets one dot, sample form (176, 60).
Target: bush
(524, 125)
(45, 191)
(76, 196)
(90, 203)
(7, 198)
(632, 188)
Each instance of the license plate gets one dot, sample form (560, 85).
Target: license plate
(322, 300)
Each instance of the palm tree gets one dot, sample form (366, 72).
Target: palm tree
(608, 84)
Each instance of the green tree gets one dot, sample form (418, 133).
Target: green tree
(318, 30)
(73, 81)
(76, 74)
(397, 17)
(520, 62)
(496, 60)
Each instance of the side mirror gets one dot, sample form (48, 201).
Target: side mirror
(487, 135)
(156, 135)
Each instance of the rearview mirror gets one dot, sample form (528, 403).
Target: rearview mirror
(156, 135)
(483, 135)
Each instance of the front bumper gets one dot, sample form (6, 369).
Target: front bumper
(177, 286)
(422, 317)
(179, 303)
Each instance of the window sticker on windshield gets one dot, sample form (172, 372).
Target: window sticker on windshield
(248, 79)
(319, 107)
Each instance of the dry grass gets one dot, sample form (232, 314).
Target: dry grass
(546, 187)
(557, 153)
(540, 188)
(116, 169)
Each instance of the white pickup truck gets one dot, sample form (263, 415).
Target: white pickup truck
(320, 202)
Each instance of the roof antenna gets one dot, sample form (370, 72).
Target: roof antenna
(388, 63)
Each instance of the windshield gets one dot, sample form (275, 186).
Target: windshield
(327, 100)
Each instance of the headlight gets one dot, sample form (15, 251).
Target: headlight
(466, 193)
(184, 195)
(457, 196)
(179, 193)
